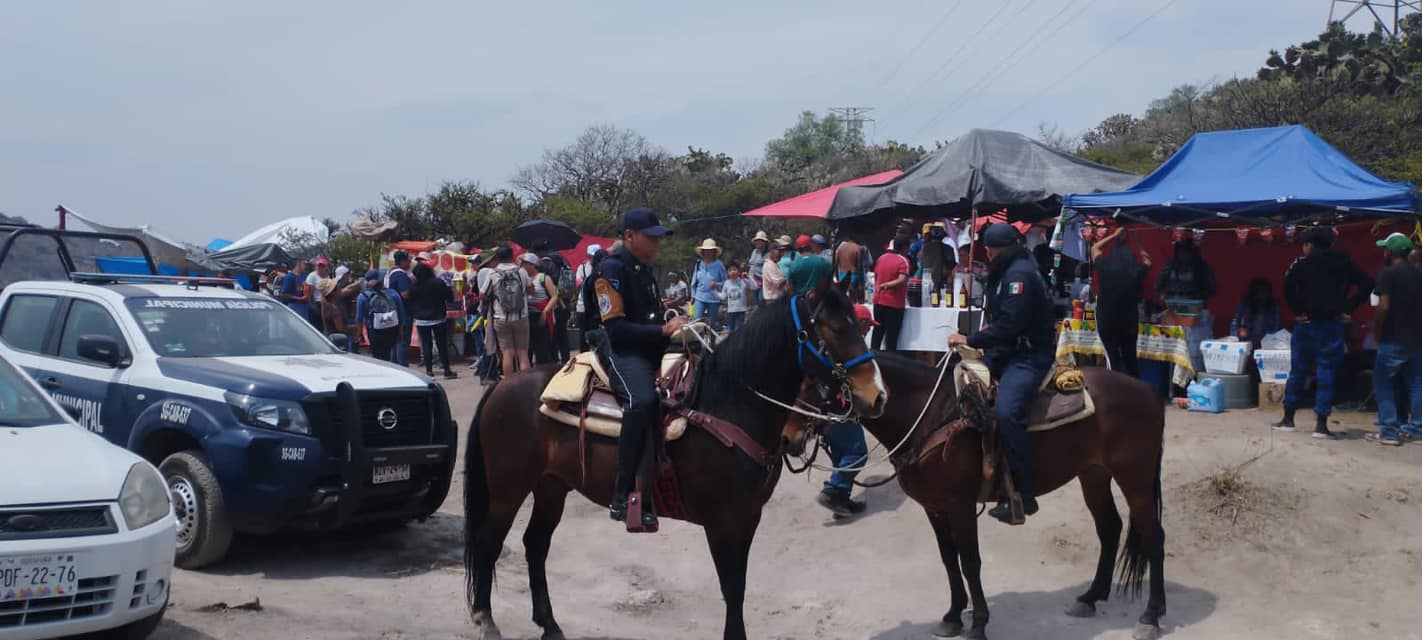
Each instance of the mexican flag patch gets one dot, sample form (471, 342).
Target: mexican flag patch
(1014, 288)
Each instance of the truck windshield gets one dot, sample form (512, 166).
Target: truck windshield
(208, 328)
(20, 404)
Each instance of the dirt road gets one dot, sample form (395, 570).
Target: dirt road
(1310, 540)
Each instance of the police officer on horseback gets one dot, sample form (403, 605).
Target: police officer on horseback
(1018, 348)
(631, 310)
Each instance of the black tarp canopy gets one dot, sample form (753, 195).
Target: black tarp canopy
(253, 257)
(987, 170)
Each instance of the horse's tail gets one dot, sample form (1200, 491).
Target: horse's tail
(1135, 555)
(476, 497)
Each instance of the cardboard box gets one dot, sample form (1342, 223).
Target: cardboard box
(1273, 365)
(1226, 356)
(1271, 395)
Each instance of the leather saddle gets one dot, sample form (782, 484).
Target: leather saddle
(1061, 399)
(580, 395)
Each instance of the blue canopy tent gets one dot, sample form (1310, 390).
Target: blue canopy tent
(1261, 176)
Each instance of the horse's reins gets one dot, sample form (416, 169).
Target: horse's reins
(942, 371)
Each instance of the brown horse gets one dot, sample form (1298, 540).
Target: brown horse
(1121, 442)
(513, 450)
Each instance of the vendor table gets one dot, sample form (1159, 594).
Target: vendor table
(928, 328)
(1159, 342)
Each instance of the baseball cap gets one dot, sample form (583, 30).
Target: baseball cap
(819, 240)
(593, 249)
(802, 242)
(341, 271)
(529, 258)
(373, 274)
(644, 220)
(861, 312)
(1396, 243)
(1001, 235)
(322, 261)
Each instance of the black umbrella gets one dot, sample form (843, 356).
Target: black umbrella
(557, 234)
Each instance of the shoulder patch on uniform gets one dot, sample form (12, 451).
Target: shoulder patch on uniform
(1014, 288)
(609, 301)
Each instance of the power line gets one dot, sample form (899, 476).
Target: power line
(933, 77)
(922, 41)
(1034, 40)
(1063, 78)
(854, 118)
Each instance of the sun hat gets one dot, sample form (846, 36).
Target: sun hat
(341, 271)
(760, 235)
(1396, 243)
(708, 244)
(784, 241)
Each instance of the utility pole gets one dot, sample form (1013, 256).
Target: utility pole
(855, 117)
(1378, 8)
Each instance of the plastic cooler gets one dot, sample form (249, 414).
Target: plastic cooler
(1273, 364)
(1226, 356)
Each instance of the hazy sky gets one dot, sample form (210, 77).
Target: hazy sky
(210, 119)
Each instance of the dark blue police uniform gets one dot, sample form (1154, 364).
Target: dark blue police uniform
(1017, 345)
(630, 307)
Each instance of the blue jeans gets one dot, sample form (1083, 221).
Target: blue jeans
(1397, 361)
(711, 311)
(847, 449)
(735, 320)
(1314, 344)
(402, 345)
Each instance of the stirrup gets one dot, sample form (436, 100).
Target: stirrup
(639, 518)
(1009, 511)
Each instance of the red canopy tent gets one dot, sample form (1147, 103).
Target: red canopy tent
(816, 204)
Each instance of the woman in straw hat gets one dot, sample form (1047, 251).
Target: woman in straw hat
(706, 283)
(760, 247)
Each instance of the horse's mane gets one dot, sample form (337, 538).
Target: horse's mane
(743, 354)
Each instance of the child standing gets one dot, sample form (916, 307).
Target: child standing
(736, 294)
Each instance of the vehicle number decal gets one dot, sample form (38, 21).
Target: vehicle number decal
(293, 453)
(175, 413)
(90, 411)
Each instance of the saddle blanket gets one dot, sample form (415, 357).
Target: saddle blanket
(1052, 407)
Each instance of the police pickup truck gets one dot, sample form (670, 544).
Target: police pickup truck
(257, 421)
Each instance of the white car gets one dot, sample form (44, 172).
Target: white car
(87, 533)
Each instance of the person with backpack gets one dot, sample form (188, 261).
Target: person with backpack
(429, 301)
(555, 266)
(507, 286)
(397, 281)
(542, 305)
(378, 310)
(589, 318)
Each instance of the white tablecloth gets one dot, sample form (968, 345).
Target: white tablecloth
(928, 328)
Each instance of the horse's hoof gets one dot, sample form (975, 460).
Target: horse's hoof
(948, 629)
(1081, 609)
(1146, 632)
(487, 629)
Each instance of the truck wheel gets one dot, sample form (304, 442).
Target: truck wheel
(204, 530)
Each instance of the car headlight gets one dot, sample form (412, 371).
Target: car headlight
(269, 414)
(144, 498)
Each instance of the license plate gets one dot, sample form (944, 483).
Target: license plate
(384, 473)
(39, 576)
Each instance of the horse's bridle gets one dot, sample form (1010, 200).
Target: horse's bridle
(810, 341)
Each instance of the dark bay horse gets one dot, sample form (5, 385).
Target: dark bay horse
(513, 450)
(1121, 442)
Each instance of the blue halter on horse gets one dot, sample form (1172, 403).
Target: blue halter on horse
(817, 348)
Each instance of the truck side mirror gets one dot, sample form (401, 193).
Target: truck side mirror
(100, 348)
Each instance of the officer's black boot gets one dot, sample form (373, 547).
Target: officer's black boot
(1287, 424)
(618, 508)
